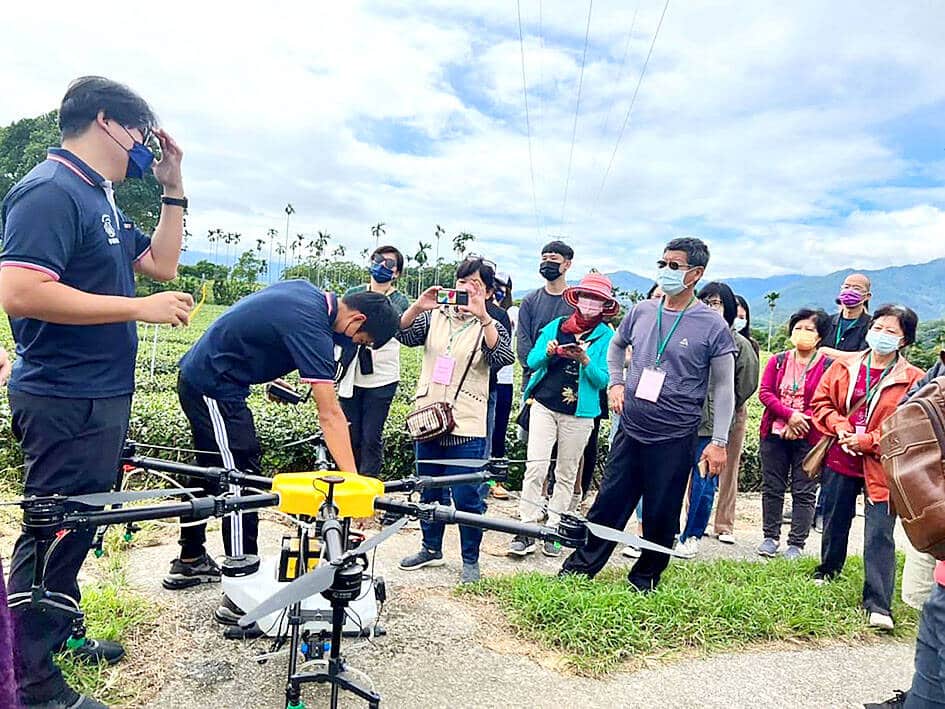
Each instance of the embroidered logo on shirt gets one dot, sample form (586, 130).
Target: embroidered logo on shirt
(684, 342)
(109, 229)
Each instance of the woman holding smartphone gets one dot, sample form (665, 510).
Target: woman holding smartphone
(569, 370)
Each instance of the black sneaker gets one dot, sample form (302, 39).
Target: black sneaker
(552, 549)
(228, 613)
(184, 574)
(521, 545)
(69, 699)
(94, 651)
(895, 703)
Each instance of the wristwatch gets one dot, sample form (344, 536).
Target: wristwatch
(174, 201)
(720, 443)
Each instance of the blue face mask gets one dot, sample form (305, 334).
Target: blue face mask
(882, 343)
(381, 273)
(140, 157)
(499, 295)
(671, 282)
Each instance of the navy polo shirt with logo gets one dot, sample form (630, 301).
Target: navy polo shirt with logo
(61, 220)
(264, 336)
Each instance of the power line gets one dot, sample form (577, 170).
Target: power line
(528, 125)
(577, 108)
(540, 132)
(633, 100)
(623, 62)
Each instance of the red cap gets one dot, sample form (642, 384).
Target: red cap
(596, 285)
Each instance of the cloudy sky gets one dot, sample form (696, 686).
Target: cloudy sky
(793, 137)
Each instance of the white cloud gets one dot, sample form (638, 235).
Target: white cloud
(762, 125)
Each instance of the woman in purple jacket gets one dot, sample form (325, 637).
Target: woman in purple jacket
(787, 386)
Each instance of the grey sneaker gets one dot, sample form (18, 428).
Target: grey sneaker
(470, 573)
(792, 553)
(228, 613)
(422, 558)
(521, 546)
(552, 549)
(769, 547)
(184, 574)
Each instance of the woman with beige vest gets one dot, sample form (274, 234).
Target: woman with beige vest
(461, 345)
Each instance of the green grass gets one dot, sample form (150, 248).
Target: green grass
(699, 607)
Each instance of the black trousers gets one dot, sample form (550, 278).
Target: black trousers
(228, 428)
(656, 472)
(780, 470)
(503, 409)
(71, 447)
(366, 412)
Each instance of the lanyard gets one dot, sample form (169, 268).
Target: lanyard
(871, 391)
(659, 328)
(841, 330)
(795, 386)
(454, 335)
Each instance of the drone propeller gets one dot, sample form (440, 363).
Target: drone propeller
(319, 580)
(609, 533)
(103, 499)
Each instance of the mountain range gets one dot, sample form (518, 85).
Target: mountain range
(920, 286)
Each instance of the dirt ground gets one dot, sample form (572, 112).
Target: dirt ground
(443, 651)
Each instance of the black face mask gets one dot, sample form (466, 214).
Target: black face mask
(550, 270)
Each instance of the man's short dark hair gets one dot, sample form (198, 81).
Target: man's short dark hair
(88, 95)
(908, 320)
(697, 253)
(381, 318)
(471, 266)
(560, 248)
(399, 257)
(725, 294)
(820, 318)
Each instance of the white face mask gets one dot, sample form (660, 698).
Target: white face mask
(739, 324)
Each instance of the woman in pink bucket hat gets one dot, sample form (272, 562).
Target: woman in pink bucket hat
(569, 365)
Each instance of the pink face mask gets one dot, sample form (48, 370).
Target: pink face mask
(850, 297)
(590, 307)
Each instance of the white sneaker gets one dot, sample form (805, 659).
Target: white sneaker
(631, 552)
(727, 538)
(881, 621)
(689, 548)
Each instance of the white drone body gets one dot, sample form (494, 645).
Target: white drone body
(249, 591)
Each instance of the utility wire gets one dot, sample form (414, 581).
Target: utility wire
(528, 125)
(633, 99)
(623, 62)
(577, 108)
(540, 130)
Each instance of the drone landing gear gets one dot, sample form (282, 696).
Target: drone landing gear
(346, 587)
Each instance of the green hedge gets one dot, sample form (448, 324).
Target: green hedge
(157, 417)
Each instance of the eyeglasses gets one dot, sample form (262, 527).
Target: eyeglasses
(713, 302)
(389, 262)
(477, 257)
(673, 266)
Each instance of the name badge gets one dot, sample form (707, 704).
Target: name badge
(443, 370)
(860, 430)
(650, 385)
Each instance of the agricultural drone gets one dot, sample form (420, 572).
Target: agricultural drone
(319, 586)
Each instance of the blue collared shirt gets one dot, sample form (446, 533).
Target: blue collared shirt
(61, 219)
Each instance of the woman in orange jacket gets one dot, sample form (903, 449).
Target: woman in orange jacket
(855, 396)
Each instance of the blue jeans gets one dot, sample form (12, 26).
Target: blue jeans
(701, 496)
(466, 498)
(928, 682)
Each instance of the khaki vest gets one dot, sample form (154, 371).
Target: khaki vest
(471, 406)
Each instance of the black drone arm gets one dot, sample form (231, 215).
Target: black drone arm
(221, 476)
(567, 535)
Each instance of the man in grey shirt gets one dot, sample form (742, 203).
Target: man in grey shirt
(542, 305)
(676, 342)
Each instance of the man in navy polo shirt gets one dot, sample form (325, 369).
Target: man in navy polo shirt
(291, 325)
(67, 282)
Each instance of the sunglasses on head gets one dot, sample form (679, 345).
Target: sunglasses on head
(485, 261)
(673, 266)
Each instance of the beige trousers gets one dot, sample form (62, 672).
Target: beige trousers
(728, 480)
(571, 434)
(918, 577)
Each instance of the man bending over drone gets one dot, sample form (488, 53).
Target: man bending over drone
(287, 326)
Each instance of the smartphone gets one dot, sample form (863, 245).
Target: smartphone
(570, 349)
(448, 296)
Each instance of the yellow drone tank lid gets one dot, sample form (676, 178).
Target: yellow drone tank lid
(304, 493)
